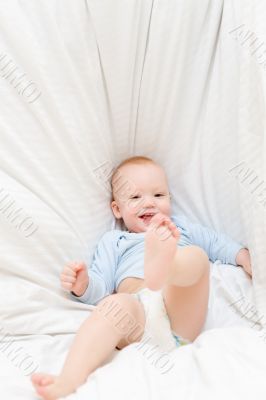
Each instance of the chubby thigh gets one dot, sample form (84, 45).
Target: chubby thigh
(126, 316)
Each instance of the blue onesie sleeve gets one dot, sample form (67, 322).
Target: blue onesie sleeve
(217, 245)
(101, 272)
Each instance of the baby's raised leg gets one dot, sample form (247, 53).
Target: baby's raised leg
(181, 272)
(117, 321)
(187, 292)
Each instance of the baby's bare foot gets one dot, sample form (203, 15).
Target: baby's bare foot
(161, 240)
(50, 387)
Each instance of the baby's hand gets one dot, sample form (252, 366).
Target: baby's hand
(74, 277)
(243, 259)
(248, 269)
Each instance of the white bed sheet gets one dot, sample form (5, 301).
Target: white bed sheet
(117, 78)
(227, 360)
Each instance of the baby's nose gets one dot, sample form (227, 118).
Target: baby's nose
(148, 201)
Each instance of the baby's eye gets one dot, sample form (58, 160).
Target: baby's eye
(159, 194)
(135, 197)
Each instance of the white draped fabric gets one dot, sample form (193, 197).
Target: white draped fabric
(85, 84)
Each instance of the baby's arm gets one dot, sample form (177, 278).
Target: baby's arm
(217, 245)
(87, 288)
(98, 282)
(243, 259)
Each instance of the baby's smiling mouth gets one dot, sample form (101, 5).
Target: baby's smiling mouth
(146, 217)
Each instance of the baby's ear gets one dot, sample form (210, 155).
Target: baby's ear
(115, 209)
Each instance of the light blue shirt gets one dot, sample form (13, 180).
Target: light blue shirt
(120, 254)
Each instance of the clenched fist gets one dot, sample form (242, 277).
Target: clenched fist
(74, 277)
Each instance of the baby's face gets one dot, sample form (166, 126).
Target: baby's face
(138, 190)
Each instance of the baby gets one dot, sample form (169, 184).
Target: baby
(158, 266)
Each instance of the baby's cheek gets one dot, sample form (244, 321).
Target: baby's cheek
(166, 208)
(134, 207)
(169, 211)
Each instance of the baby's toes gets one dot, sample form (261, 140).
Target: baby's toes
(176, 234)
(40, 379)
(158, 219)
(167, 224)
(36, 378)
(169, 229)
(44, 392)
(174, 230)
(163, 232)
(155, 224)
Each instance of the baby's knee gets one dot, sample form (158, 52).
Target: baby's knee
(118, 301)
(201, 256)
(126, 315)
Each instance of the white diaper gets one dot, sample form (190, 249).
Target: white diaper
(157, 329)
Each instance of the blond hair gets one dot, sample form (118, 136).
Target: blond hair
(137, 160)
